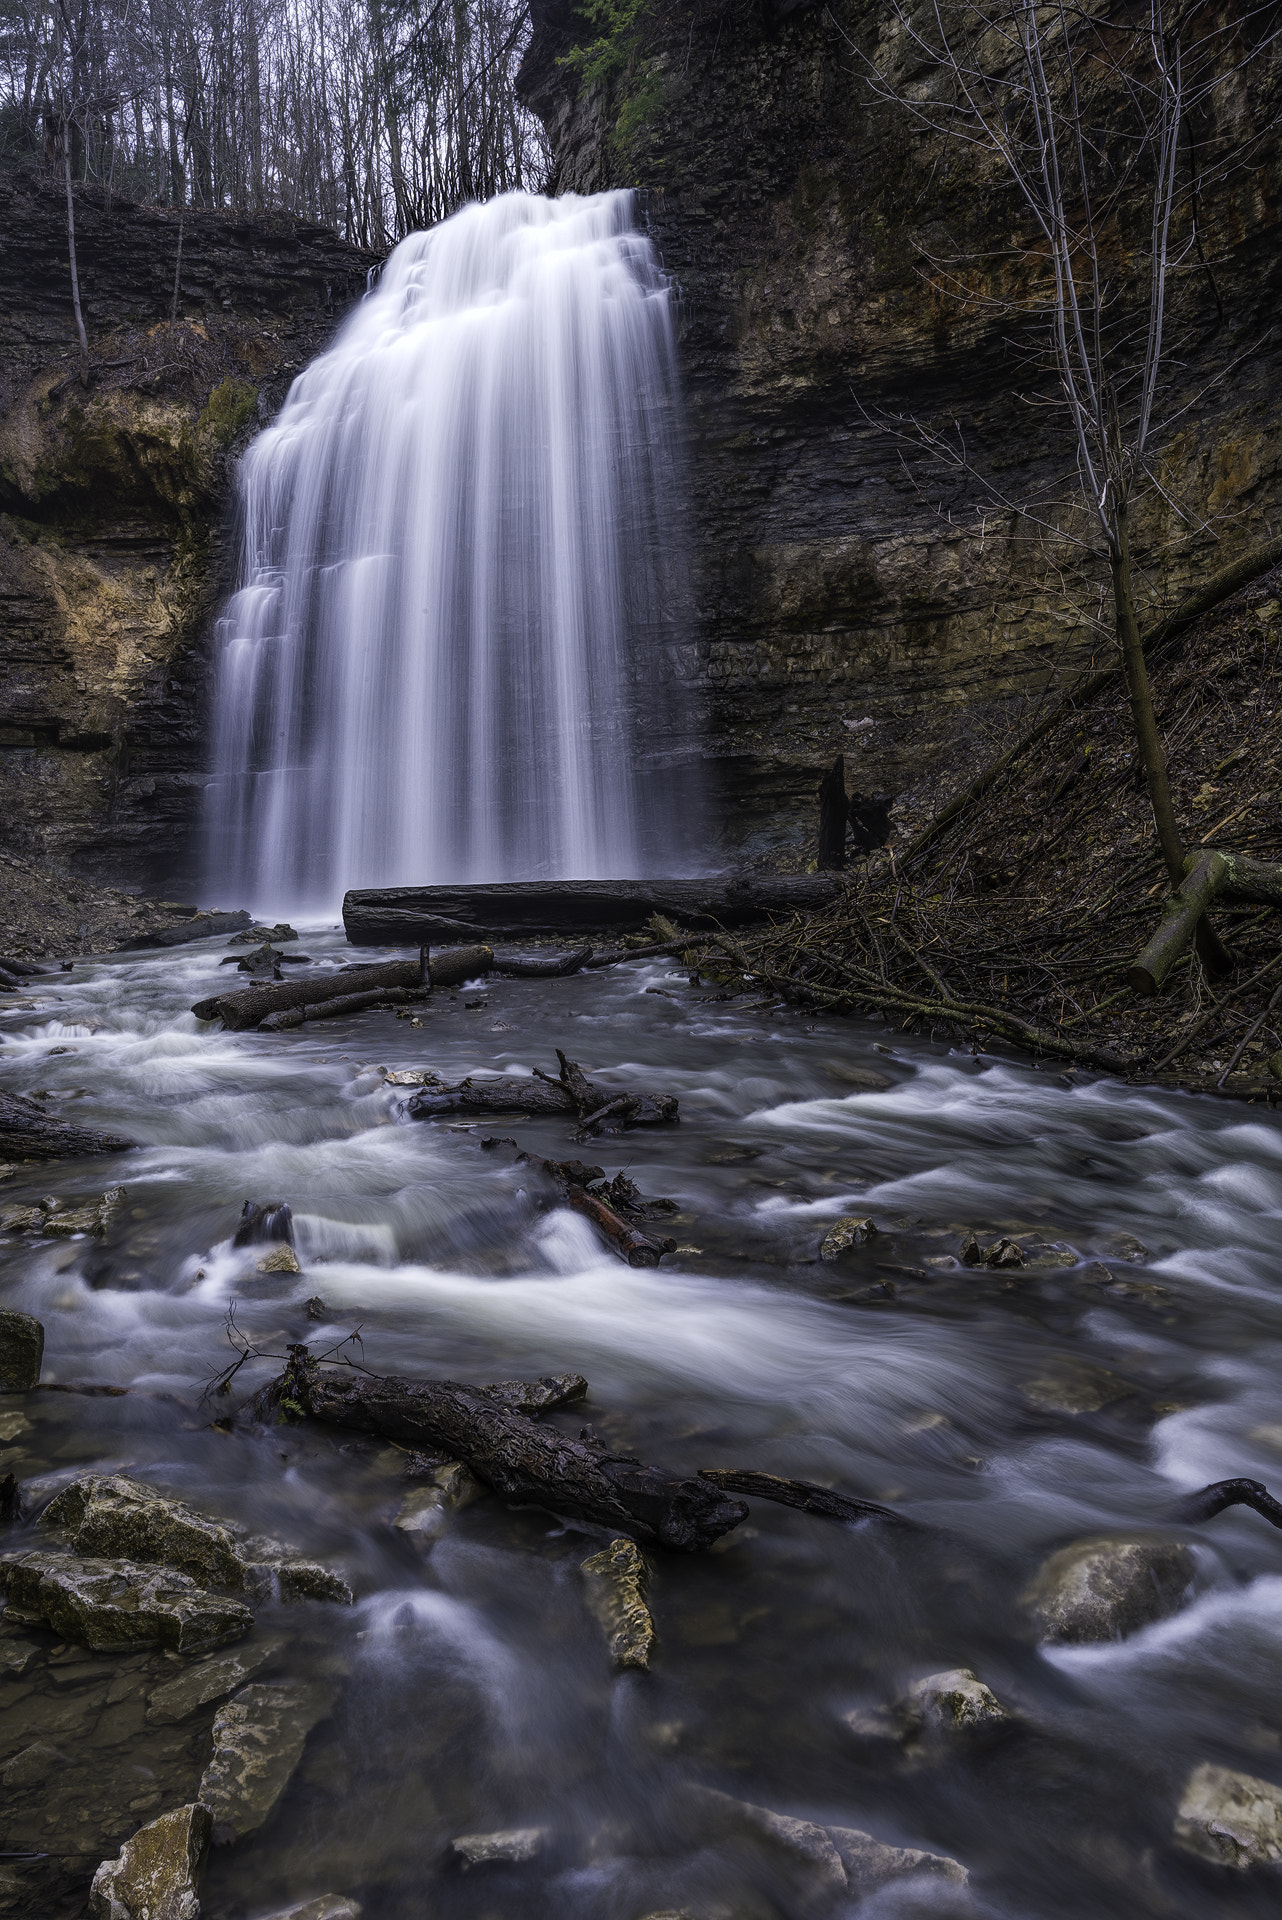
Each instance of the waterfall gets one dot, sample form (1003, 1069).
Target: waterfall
(454, 651)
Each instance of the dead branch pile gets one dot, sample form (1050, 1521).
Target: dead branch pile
(1019, 918)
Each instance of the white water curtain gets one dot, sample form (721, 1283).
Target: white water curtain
(451, 653)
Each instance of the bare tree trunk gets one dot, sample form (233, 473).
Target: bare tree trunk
(71, 255)
(178, 267)
(1152, 755)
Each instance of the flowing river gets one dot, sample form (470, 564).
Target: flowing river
(468, 1689)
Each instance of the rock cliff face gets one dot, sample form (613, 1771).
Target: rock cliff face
(114, 503)
(836, 609)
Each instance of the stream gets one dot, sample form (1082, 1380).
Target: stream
(1132, 1358)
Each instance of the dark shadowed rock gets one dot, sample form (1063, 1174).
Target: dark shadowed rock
(22, 1345)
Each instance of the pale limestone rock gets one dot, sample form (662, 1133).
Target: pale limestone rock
(259, 1738)
(616, 1581)
(852, 1230)
(154, 1875)
(449, 1487)
(869, 1863)
(810, 1845)
(953, 1702)
(116, 1605)
(1231, 1818)
(514, 1845)
(281, 1259)
(1105, 1588)
(208, 1680)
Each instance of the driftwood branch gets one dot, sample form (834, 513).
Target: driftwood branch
(517, 1456)
(571, 1092)
(802, 1494)
(1208, 1501)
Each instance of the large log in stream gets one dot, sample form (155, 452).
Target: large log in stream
(516, 1455)
(247, 1008)
(27, 1132)
(510, 909)
(596, 1108)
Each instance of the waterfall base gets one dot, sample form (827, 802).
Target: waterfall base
(400, 916)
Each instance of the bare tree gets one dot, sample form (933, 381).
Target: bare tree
(1087, 116)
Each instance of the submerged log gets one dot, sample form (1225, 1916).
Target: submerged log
(801, 1493)
(27, 1132)
(511, 909)
(521, 1459)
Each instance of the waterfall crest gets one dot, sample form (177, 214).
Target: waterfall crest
(454, 652)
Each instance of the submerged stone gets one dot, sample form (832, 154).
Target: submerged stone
(154, 1875)
(259, 1738)
(810, 1845)
(209, 1680)
(616, 1582)
(450, 1486)
(1231, 1818)
(513, 1845)
(953, 1702)
(852, 1230)
(1106, 1588)
(22, 1346)
(117, 1605)
(32, 1765)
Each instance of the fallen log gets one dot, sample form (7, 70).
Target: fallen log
(27, 1132)
(517, 1456)
(245, 1009)
(1208, 875)
(553, 969)
(802, 1494)
(570, 1180)
(1208, 1501)
(572, 1092)
(1184, 909)
(289, 1017)
(510, 909)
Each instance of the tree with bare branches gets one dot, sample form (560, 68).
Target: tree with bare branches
(1103, 125)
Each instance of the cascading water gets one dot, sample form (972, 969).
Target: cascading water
(453, 651)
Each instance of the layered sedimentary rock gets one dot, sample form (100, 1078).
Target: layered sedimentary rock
(835, 609)
(113, 500)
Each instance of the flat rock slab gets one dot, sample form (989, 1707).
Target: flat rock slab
(200, 927)
(22, 1346)
(259, 1738)
(117, 1605)
(397, 916)
(324, 1906)
(513, 1845)
(154, 1876)
(211, 1679)
(1231, 1818)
